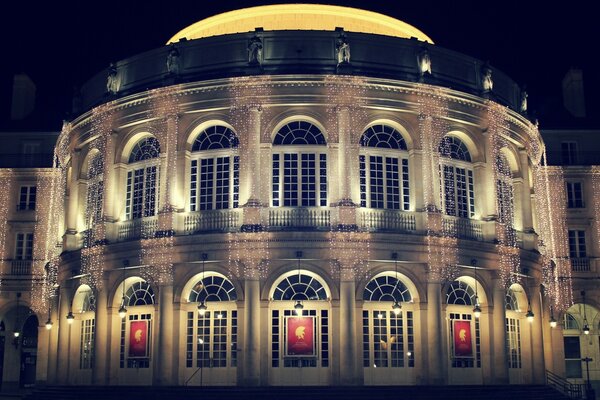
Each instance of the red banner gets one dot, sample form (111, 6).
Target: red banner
(300, 336)
(138, 339)
(463, 347)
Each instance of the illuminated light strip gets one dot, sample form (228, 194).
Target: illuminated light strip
(507, 247)
(158, 252)
(441, 238)
(554, 245)
(6, 184)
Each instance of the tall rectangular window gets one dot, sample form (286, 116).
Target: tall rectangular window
(577, 244)
(387, 179)
(513, 342)
(299, 180)
(572, 357)
(290, 180)
(575, 195)
(86, 349)
(458, 191)
(24, 246)
(569, 153)
(93, 212)
(142, 192)
(27, 198)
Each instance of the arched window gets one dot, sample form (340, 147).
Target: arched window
(139, 294)
(386, 288)
(460, 293)
(383, 163)
(95, 191)
(388, 335)
(142, 179)
(570, 322)
(504, 191)
(300, 286)
(299, 166)
(212, 334)
(511, 302)
(212, 288)
(214, 174)
(456, 178)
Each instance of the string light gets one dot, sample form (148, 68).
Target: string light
(6, 184)
(551, 202)
(441, 239)
(507, 247)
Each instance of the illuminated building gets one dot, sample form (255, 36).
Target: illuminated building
(328, 199)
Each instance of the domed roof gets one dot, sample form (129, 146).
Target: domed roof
(299, 17)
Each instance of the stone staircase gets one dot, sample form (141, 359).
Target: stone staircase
(499, 392)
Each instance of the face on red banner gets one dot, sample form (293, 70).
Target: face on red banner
(300, 336)
(463, 346)
(138, 339)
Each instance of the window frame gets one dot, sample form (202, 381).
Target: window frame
(27, 203)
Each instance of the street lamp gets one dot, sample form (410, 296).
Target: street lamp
(70, 317)
(477, 308)
(586, 327)
(202, 306)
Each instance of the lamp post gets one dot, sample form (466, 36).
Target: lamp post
(589, 391)
(16, 331)
(202, 305)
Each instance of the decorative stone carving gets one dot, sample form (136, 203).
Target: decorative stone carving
(173, 61)
(424, 62)
(343, 50)
(487, 84)
(255, 47)
(523, 103)
(112, 80)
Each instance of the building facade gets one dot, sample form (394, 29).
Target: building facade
(329, 199)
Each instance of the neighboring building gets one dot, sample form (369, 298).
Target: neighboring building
(316, 195)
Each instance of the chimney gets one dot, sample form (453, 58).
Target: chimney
(572, 89)
(23, 97)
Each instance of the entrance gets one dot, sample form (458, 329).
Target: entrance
(29, 352)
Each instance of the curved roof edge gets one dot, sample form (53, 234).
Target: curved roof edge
(299, 17)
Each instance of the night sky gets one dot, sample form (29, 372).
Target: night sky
(62, 44)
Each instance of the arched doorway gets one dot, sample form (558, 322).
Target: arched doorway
(28, 358)
(300, 341)
(210, 347)
(388, 338)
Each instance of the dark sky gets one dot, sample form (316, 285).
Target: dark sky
(62, 44)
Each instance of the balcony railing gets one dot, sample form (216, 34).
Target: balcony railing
(386, 220)
(21, 267)
(212, 221)
(581, 264)
(463, 228)
(137, 228)
(301, 218)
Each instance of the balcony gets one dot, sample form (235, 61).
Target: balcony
(580, 264)
(309, 218)
(212, 221)
(21, 267)
(463, 228)
(375, 220)
(137, 228)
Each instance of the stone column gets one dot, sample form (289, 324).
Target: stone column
(101, 336)
(166, 336)
(252, 328)
(537, 349)
(250, 159)
(113, 195)
(343, 117)
(526, 207)
(498, 334)
(53, 342)
(434, 333)
(64, 336)
(347, 329)
(70, 239)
